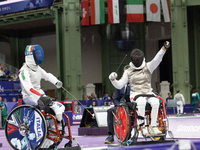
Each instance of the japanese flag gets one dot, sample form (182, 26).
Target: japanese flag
(153, 10)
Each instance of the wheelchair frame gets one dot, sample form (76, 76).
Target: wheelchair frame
(123, 122)
(20, 124)
(57, 133)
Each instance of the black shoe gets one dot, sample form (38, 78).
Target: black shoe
(109, 139)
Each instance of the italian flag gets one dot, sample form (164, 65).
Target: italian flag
(115, 11)
(28, 50)
(135, 11)
(97, 11)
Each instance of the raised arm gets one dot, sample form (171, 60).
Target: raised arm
(153, 64)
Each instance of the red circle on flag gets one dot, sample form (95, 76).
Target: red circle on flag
(153, 8)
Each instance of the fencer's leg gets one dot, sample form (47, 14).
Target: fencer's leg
(177, 109)
(110, 120)
(59, 109)
(31, 100)
(110, 138)
(195, 107)
(181, 108)
(154, 102)
(141, 103)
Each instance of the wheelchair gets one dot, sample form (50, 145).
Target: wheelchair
(28, 128)
(125, 120)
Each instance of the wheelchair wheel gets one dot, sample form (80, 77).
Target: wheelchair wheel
(162, 126)
(122, 123)
(25, 128)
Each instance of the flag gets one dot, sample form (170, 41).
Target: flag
(165, 7)
(115, 11)
(85, 13)
(135, 11)
(153, 10)
(97, 11)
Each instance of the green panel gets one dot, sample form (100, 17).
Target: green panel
(194, 37)
(68, 41)
(180, 53)
(193, 2)
(196, 12)
(105, 57)
(191, 47)
(18, 41)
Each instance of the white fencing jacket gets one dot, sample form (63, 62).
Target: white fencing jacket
(151, 66)
(30, 76)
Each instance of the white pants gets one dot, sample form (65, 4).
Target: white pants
(179, 107)
(141, 103)
(57, 107)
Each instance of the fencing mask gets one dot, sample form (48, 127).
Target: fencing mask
(36, 51)
(137, 57)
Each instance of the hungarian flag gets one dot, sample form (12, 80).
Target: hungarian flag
(97, 11)
(85, 13)
(165, 7)
(153, 10)
(115, 11)
(135, 11)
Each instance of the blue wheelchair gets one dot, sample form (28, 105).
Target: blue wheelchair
(28, 128)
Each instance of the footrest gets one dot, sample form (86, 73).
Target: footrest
(152, 142)
(150, 135)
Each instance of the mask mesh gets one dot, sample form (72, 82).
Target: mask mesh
(137, 57)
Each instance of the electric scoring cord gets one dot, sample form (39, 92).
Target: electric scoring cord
(77, 101)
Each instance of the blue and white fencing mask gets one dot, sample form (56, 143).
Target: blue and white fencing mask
(36, 51)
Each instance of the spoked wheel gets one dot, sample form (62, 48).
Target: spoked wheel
(25, 128)
(162, 126)
(122, 123)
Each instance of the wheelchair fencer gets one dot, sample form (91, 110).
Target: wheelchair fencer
(125, 119)
(28, 128)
